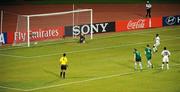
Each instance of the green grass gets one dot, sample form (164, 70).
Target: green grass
(100, 65)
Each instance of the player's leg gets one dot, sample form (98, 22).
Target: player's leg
(149, 62)
(61, 70)
(135, 65)
(162, 65)
(149, 13)
(140, 65)
(163, 61)
(64, 71)
(167, 63)
(148, 65)
(154, 48)
(146, 13)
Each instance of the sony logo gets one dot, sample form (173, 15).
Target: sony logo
(86, 29)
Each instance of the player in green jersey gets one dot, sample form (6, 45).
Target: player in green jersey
(148, 53)
(137, 59)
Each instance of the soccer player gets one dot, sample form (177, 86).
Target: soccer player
(63, 63)
(137, 59)
(157, 43)
(148, 9)
(82, 38)
(154, 49)
(165, 54)
(148, 53)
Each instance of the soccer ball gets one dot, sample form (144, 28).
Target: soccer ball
(35, 43)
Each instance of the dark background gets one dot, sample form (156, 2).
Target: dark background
(12, 2)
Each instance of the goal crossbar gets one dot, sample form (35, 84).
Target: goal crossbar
(58, 13)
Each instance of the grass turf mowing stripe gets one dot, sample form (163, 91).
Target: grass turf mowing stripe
(93, 49)
(82, 81)
(121, 34)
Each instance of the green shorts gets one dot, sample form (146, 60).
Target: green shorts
(138, 59)
(148, 57)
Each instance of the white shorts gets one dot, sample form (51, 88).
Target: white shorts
(156, 44)
(165, 59)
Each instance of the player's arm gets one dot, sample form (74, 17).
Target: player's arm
(67, 62)
(60, 60)
(162, 53)
(169, 53)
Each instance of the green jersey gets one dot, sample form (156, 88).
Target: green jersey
(148, 51)
(137, 55)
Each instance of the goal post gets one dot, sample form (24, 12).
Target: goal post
(26, 24)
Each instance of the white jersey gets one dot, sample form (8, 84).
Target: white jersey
(165, 54)
(148, 6)
(157, 39)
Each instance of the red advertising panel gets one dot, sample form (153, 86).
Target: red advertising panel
(40, 34)
(126, 25)
(10, 37)
(131, 24)
(156, 22)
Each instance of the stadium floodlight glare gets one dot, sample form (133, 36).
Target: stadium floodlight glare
(28, 21)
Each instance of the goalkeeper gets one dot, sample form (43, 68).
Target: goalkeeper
(82, 38)
(63, 64)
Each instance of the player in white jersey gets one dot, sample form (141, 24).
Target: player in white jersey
(157, 43)
(165, 53)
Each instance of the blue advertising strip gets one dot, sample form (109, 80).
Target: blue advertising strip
(5, 37)
(86, 29)
(171, 20)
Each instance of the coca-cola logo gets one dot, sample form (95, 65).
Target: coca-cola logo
(136, 24)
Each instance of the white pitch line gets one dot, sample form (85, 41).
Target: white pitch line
(122, 34)
(8, 55)
(82, 81)
(11, 88)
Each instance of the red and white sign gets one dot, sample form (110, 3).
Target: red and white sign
(39, 34)
(126, 25)
(136, 24)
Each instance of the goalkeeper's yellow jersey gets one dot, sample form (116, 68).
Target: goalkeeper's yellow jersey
(63, 61)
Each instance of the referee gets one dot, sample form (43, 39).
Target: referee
(63, 64)
(148, 9)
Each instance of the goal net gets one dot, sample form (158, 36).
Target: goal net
(35, 28)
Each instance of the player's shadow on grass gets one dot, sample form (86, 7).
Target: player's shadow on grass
(157, 70)
(51, 73)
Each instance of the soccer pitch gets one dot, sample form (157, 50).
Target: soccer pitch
(104, 64)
